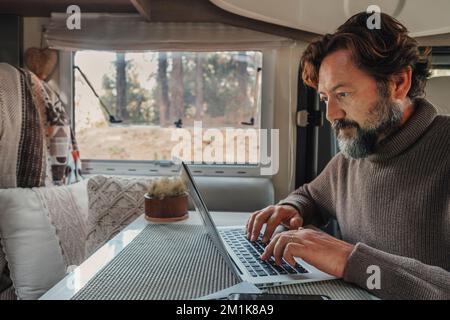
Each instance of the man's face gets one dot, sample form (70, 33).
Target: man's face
(361, 113)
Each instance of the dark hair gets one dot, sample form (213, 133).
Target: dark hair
(381, 53)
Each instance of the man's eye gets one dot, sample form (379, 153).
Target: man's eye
(343, 94)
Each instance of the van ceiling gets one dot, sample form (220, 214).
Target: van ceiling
(423, 18)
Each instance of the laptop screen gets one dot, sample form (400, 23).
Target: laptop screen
(206, 217)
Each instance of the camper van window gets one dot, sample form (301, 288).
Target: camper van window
(141, 105)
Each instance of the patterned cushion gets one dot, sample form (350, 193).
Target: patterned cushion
(2, 268)
(67, 208)
(8, 294)
(114, 202)
(6, 287)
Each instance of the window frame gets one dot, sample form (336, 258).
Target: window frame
(440, 57)
(161, 167)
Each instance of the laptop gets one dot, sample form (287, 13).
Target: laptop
(242, 256)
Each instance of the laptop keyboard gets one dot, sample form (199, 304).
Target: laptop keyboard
(249, 254)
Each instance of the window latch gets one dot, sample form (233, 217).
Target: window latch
(305, 118)
(251, 123)
(178, 123)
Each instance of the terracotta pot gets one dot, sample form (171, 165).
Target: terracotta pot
(166, 209)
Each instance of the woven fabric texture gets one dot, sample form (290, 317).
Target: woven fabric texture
(162, 262)
(114, 202)
(180, 262)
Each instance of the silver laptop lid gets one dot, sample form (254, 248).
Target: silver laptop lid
(206, 217)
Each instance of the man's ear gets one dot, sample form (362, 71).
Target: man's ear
(401, 83)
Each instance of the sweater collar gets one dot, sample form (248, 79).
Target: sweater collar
(408, 134)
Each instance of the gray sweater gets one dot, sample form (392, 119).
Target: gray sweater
(395, 206)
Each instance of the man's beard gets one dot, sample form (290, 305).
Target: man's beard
(386, 119)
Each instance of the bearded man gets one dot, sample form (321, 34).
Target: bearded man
(389, 187)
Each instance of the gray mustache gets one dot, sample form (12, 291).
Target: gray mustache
(343, 124)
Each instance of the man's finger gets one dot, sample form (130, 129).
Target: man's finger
(292, 250)
(271, 224)
(279, 247)
(250, 222)
(296, 222)
(259, 221)
(269, 249)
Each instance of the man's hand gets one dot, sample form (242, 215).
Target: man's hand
(317, 248)
(272, 216)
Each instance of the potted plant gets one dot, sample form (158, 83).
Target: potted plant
(166, 200)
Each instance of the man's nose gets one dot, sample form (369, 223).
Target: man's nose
(334, 111)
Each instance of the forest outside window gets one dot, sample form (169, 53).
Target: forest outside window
(151, 94)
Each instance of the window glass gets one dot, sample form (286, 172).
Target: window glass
(149, 101)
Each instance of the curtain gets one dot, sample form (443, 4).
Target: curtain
(130, 32)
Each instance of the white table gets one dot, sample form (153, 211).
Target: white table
(75, 280)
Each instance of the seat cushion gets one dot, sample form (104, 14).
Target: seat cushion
(236, 194)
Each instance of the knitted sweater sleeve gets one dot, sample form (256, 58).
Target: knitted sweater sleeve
(389, 276)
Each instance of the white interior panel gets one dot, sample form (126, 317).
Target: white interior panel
(422, 18)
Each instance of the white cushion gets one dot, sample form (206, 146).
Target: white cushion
(42, 231)
(29, 240)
